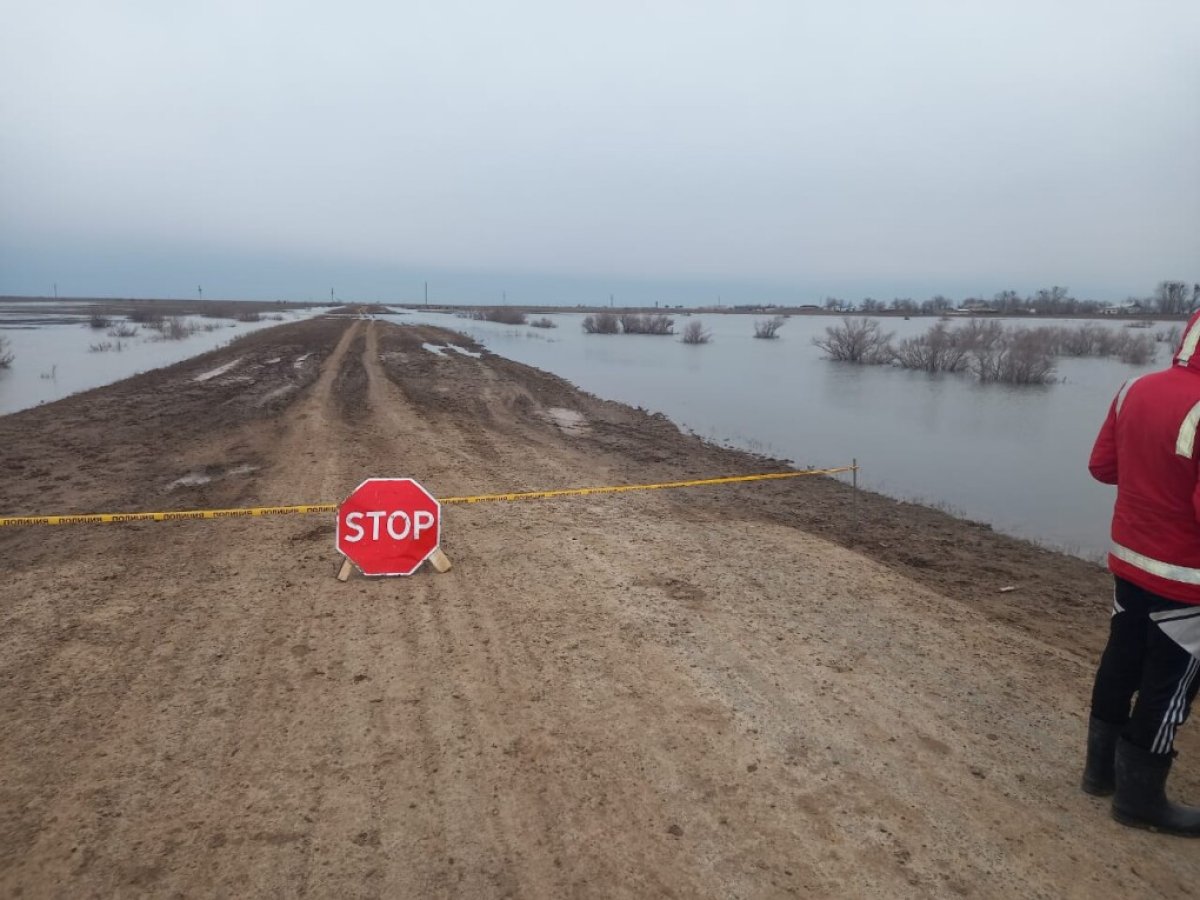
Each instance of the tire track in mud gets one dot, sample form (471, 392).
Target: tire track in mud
(397, 435)
(350, 386)
(456, 738)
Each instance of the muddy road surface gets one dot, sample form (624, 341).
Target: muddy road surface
(747, 691)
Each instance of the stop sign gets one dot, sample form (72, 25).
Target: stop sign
(389, 526)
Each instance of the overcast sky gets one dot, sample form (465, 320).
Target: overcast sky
(561, 151)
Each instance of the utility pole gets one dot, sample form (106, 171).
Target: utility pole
(56, 290)
(610, 301)
(331, 295)
(200, 291)
(427, 293)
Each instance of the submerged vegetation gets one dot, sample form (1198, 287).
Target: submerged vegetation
(501, 314)
(174, 328)
(695, 333)
(768, 329)
(632, 323)
(861, 341)
(106, 346)
(602, 323)
(6, 355)
(990, 351)
(629, 323)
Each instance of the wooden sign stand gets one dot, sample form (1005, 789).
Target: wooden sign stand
(439, 560)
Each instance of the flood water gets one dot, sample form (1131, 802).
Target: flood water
(1014, 457)
(53, 355)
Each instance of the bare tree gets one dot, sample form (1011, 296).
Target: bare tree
(601, 323)
(768, 329)
(1021, 356)
(857, 341)
(938, 350)
(631, 323)
(1008, 301)
(1137, 351)
(1171, 298)
(543, 322)
(695, 333)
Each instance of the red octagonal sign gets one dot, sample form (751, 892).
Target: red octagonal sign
(389, 526)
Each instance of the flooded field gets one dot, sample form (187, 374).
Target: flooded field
(56, 352)
(1014, 457)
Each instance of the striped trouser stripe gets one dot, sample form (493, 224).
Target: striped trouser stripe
(1174, 715)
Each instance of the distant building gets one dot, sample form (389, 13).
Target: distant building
(977, 308)
(1131, 308)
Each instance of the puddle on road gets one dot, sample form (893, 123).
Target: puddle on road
(208, 475)
(218, 371)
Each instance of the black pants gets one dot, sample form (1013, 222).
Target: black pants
(1140, 658)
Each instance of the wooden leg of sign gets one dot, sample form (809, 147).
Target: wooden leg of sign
(440, 561)
(345, 570)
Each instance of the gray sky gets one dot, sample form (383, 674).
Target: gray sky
(560, 151)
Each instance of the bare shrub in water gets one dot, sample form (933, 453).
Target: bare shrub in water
(633, 323)
(501, 314)
(768, 329)
(1138, 351)
(123, 330)
(938, 350)
(174, 328)
(602, 323)
(146, 317)
(695, 333)
(1021, 356)
(1170, 337)
(859, 341)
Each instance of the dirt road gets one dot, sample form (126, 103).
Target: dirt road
(724, 692)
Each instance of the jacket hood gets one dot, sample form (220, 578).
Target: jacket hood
(1188, 353)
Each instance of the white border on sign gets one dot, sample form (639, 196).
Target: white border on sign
(413, 570)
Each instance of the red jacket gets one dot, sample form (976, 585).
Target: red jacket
(1147, 448)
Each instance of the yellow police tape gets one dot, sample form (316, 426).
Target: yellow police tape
(259, 511)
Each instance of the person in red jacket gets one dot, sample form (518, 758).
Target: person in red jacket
(1147, 447)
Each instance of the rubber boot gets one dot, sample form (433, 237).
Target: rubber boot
(1141, 800)
(1099, 772)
